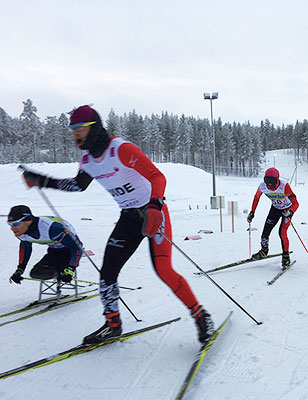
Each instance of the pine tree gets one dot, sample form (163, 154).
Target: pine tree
(66, 138)
(10, 149)
(31, 127)
(112, 124)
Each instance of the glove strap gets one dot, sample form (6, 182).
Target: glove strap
(20, 270)
(68, 271)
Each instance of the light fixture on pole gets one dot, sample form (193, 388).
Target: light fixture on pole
(211, 97)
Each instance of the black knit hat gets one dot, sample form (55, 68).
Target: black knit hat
(18, 212)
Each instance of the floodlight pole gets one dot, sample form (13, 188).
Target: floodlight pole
(213, 151)
(211, 97)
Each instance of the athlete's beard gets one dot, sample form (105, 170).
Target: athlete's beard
(97, 141)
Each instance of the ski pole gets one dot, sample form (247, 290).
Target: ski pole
(298, 236)
(249, 239)
(48, 281)
(212, 280)
(83, 281)
(130, 288)
(48, 202)
(96, 283)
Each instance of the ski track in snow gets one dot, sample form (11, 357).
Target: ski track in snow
(248, 362)
(151, 359)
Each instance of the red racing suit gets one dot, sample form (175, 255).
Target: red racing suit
(282, 198)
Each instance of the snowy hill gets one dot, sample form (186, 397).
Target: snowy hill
(266, 362)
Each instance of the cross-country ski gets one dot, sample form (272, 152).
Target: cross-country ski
(40, 303)
(80, 349)
(280, 273)
(236, 263)
(200, 358)
(50, 307)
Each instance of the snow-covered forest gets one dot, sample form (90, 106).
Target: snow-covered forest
(164, 138)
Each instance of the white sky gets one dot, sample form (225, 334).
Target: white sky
(154, 55)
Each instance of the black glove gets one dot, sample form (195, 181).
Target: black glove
(67, 274)
(287, 213)
(16, 277)
(250, 217)
(33, 179)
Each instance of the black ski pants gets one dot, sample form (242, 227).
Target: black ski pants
(272, 219)
(125, 239)
(50, 266)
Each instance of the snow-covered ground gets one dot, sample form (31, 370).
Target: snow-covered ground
(248, 361)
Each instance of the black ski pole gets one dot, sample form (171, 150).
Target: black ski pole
(48, 281)
(48, 202)
(97, 283)
(130, 288)
(212, 280)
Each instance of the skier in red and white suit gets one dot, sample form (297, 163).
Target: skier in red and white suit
(284, 205)
(138, 187)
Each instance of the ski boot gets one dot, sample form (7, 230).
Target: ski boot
(260, 254)
(285, 262)
(111, 329)
(204, 322)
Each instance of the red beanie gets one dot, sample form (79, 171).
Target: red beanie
(81, 115)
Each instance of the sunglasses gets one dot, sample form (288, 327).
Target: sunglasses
(75, 127)
(270, 180)
(16, 223)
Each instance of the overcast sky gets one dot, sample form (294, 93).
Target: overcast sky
(157, 55)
